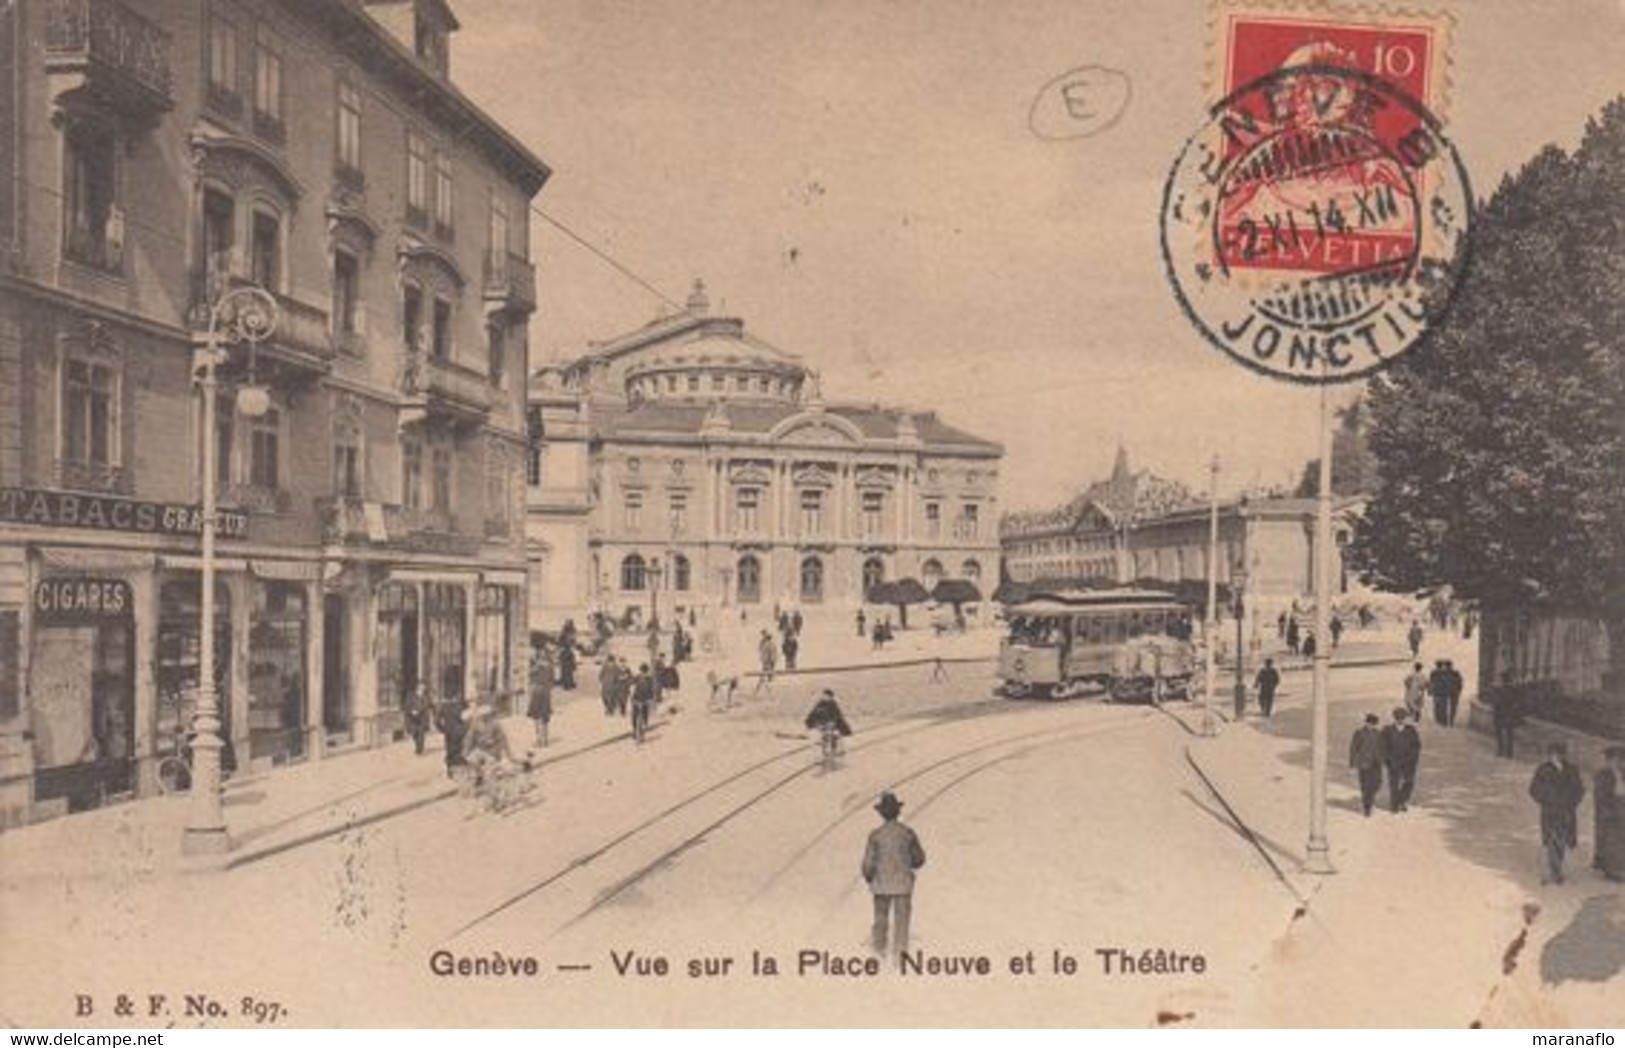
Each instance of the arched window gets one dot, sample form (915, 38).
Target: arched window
(812, 580)
(874, 573)
(971, 570)
(680, 575)
(633, 573)
(931, 572)
(750, 580)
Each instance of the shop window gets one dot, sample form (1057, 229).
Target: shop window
(634, 574)
(265, 250)
(10, 663)
(93, 222)
(397, 659)
(276, 671)
(265, 450)
(446, 611)
(346, 292)
(89, 413)
(180, 649)
(491, 638)
(349, 133)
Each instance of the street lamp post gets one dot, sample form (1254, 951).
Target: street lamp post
(654, 591)
(1318, 851)
(243, 315)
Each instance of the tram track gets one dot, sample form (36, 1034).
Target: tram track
(872, 738)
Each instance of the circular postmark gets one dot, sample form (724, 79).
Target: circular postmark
(1316, 223)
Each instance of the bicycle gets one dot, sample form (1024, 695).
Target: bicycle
(174, 772)
(829, 746)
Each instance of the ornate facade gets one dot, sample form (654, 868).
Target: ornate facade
(706, 470)
(159, 155)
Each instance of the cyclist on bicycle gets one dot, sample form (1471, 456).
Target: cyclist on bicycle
(827, 719)
(486, 748)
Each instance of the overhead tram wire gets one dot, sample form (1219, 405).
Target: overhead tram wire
(605, 257)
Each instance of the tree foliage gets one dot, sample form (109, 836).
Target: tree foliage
(1498, 441)
(1354, 468)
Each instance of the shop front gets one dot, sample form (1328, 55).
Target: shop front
(179, 659)
(277, 673)
(82, 690)
(445, 649)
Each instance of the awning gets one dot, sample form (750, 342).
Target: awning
(457, 578)
(188, 562)
(288, 570)
(61, 558)
(505, 578)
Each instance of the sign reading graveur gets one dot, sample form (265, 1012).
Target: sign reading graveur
(60, 509)
(1318, 220)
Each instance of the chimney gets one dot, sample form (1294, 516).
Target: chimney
(423, 27)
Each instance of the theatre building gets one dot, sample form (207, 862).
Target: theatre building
(691, 466)
(158, 159)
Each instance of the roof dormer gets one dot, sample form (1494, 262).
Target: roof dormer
(424, 26)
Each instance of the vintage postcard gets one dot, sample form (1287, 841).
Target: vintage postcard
(823, 513)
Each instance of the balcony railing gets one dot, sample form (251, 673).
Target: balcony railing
(510, 281)
(352, 521)
(447, 386)
(303, 339)
(256, 499)
(123, 57)
(104, 477)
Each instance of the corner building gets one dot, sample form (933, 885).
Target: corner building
(691, 465)
(158, 155)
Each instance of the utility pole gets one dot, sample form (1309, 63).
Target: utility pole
(1210, 629)
(1318, 853)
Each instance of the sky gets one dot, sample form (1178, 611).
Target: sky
(859, 181)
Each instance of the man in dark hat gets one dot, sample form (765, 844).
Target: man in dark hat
(889, 862)
(1401, 753)
(1609, 799)
(1439, 688)
(1365, 757)
(1558, 790)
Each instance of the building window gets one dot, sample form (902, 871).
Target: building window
(719, 382)
(749, 572)
(682, 575)
(491, 640)
(931, 572)
(497, 502)
(499, 234)
(933, 520)
(93, 223)
(346, 292)
(671, 383)
(219, 240)
(225, 432)
(441, 346)
(417, 179)
(971, 570)
(89, 413)
(812, 580)
(442, 480)
(535, 433)
(268, 92)
(349, 131)
(633, 573)
(264, 450)
(634, 510)
(496, 334)
(412, 316)
(347, 472)
(747, 507)
(442, 194)
(693, 383)
(222, 94)
(411, 474)
(970, 524)
(874, 573)
(764, 384)
(874, 511)
(812, 512)
(266, 251)
(679, 514)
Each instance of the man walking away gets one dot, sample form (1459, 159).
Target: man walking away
(1268, 679)
(1558, 790)
(1454, 683)
(1507, 714)
(1365, 757)
(1414, 638)
(606, 684)
(1609, 801)
(791, 647)
(1292, 636)
(1416, 690)
(1336, 626)
(540, 707)
(1439, 688)
(453, 728)
(889, 861)
(1401, 752)
(643, 702)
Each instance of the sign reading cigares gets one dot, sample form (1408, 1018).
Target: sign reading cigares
(63, 509)
(81, 601)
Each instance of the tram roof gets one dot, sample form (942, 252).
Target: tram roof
(1072, 601)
